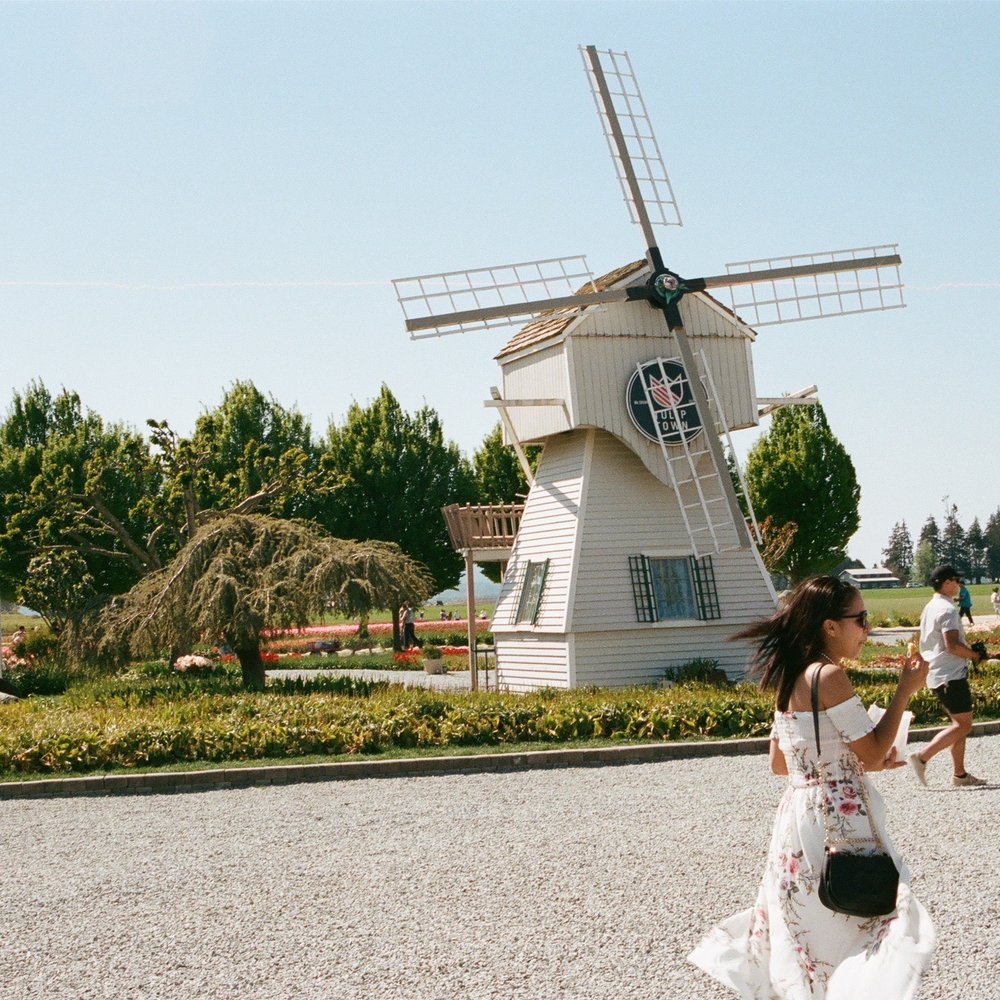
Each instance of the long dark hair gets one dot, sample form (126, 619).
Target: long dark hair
(792, 637)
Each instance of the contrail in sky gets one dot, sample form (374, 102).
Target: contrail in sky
(128, 286)
(184, 286)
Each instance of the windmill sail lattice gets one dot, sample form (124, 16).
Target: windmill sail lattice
(867, 286)
(767, 290)
(622, 110)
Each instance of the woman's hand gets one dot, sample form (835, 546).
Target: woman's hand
(913, 674)
(890, 760)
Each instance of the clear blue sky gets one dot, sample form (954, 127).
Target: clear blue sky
(197, 193)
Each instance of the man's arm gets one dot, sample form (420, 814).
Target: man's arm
(956, 647)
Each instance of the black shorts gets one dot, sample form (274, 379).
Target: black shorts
(955, 696)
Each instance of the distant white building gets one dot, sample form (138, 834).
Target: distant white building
(869, 579)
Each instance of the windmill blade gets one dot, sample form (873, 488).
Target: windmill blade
(462, 301)
(776, 290)
(633, 146)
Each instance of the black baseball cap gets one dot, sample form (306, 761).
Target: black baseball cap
(942, 574)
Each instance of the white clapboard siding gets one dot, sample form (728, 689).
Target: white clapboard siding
(641, 657)
(542, 374)
(590, 365)
(529, 663)
(629, 512)
(548, 531)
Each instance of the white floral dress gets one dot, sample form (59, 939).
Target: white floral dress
(789, 946)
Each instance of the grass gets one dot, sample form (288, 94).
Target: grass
(909, 602)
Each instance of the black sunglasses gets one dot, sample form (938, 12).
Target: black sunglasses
(861, 618)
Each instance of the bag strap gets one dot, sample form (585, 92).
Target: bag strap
(875, 838)
(814, 693)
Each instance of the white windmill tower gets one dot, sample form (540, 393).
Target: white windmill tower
(632, 553)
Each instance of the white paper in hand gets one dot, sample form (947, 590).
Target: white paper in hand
(875, 712)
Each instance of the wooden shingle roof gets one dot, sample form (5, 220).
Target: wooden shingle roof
(552, 323)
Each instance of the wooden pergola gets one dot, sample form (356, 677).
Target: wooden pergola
(481, 534)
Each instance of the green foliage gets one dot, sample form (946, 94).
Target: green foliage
(39, 677)
(431, 652)
(697, 672)
(397, 472)
(953, 542)
(991, 537)
(69, 484)
(924, 561)
(931, 534)
(499, 478)
(798, 472)
(40, 645)
(152, 718)
(244, 575)
(897, 556)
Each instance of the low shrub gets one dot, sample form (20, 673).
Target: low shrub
(698, 672)
(39, 645)
(150, 717)
(26, 676)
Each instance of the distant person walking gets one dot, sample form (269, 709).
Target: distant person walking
(409, 629)
(944, 647)
(995, 601)
(964, 602)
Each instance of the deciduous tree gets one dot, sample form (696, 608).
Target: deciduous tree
(69, 483)
(931, 534)
(798, 472)
(396, 473)
(924, 561)
(499, 478)
(241, 576)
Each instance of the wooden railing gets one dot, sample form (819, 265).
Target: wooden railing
(493, 526)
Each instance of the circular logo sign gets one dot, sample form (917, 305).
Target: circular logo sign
(659, 396)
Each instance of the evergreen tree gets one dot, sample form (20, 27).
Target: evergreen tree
(798, 472)
(897, 556)
(975, 549)
(992, 538)
(953, 550)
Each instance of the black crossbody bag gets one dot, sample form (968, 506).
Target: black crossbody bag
(860, 885)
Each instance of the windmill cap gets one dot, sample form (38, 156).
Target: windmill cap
(943, 573)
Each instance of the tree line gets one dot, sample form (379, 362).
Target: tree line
(99, 522)
(973, 551)
(89, 509)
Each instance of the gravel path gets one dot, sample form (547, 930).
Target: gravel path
(578, 884)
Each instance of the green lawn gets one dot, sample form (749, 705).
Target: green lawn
(909, 602)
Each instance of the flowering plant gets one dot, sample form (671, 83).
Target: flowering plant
(192, 663)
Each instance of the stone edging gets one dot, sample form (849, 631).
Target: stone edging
(162, 782)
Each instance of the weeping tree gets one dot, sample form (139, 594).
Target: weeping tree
(241, 576)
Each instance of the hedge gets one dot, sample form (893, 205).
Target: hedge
(154, 719)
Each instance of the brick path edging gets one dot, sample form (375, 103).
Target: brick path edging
(162, 782)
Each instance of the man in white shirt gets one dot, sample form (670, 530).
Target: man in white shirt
(943, 646)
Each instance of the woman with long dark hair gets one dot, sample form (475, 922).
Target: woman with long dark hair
(789, 945)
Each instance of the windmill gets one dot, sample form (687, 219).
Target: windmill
(673, 401)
